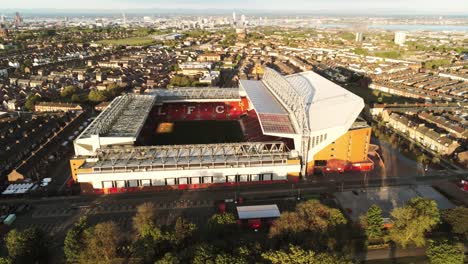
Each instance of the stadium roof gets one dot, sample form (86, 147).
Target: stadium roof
(327, 104)
(271, 114)
(261, 98)
(185, 94)
(258, 211)
(315, 102)
(124, 117)
(190, 156)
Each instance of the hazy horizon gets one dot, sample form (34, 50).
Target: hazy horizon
(329, 7)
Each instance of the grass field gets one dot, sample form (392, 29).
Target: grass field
(197, 132)
(134, 41)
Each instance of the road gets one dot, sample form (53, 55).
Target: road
(55, 215)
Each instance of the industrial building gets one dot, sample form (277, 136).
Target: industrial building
(291, 126)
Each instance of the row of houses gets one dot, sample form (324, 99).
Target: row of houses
(420, 133)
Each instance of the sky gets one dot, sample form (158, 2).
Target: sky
(338, 6)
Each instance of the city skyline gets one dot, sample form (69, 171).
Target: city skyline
(295, 6)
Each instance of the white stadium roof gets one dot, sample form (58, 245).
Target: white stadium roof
(318, 108)
(327, 104)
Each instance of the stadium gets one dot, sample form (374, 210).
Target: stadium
(276, 129)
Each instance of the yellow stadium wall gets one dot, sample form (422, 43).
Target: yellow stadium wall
(74, 165)
(352, 146)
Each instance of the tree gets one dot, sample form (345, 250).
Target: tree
(457, 218)
(113, 90)
(150, 238)
(411, 222)
(101, 242)
(74, 240)
(28, 246)
(68, 91)
(312, 224)
(5, 260)
(168, 259)
(96, 96)
(183, 230)
(31, 101)
(143, 221)
(203, 253)
(222, 224)
(442, 252)
(297, 255)
(372, 221)
(222, 219)
(422, 158)
(75, 98)
(309, 216)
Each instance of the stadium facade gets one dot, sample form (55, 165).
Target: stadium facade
(292, 126)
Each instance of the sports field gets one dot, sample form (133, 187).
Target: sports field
(195, 132)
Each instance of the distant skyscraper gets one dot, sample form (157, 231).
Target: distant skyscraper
(234, 15)
(400, 37)
(124, 20)
(18, 20)
(359, 37)
(243, 19)
(2, 19)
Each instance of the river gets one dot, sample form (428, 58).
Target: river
(405, 27)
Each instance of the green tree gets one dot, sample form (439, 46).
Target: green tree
(413, 221)
(442, 252)
(68, 91)
(5, 260)
(101, 242)
(222, 219)
(28, 246)
(422, 158)
(143, 221)
(309, 216)
(457, 218)
(204, 253)
(114, 90)
(222, 224)
(74, 240)
(168, 259)
(297, 255)
(31, 101)
(96, 96)
(372, 221)
(75, 98)
(150, 240)
(224, 258)
(183, 230)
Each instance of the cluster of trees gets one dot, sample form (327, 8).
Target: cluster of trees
(71, 93)
(112, 90)
(185, 81)
(411, 224)
(31, 101)
(31, 245)
(312, 233)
